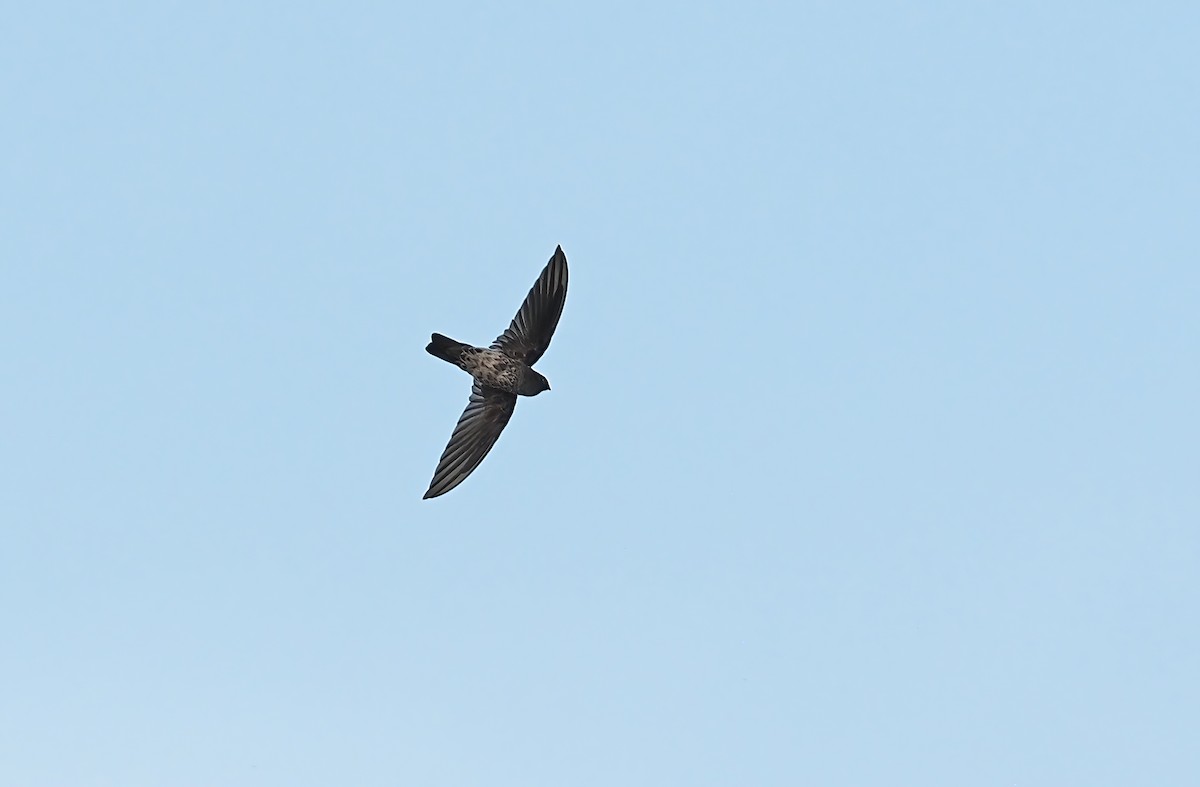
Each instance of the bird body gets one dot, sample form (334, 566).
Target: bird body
(499, 374)
(489, 367)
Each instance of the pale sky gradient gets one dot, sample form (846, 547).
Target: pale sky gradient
(872, 453)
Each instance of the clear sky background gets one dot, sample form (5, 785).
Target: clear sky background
(872, 451)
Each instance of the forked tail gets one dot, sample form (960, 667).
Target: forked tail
(445, 348)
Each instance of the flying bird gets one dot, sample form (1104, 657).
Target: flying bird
(500, 373)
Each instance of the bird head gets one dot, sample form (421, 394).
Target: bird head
(533, 384)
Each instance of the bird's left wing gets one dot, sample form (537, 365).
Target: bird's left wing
(480, 425)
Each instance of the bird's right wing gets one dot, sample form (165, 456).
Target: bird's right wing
(528, 336)
(481, 423)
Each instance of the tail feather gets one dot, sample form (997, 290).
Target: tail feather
(445, 348)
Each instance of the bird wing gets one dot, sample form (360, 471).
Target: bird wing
(528, 336)
(481, 423)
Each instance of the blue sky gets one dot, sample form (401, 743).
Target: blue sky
(871, 455)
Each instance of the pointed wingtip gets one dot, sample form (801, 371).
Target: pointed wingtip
(428, 494)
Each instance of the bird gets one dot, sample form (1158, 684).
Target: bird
(500, 373)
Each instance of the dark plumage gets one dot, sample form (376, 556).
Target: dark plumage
(500, 373)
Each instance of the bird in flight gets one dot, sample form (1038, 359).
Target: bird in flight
(500, 373)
